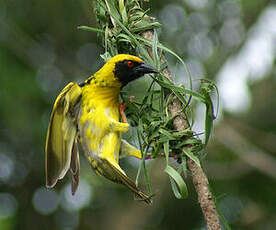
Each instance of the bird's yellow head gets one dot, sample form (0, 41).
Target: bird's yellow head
(122, 69)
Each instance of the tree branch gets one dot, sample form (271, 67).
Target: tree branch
(199, 178)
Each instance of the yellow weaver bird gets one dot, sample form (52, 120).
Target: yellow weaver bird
(88, 113)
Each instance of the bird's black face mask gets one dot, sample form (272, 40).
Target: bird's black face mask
(128, 70)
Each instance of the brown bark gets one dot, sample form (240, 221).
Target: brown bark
(199, 178)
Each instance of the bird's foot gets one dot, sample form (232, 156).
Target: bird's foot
(123, 107)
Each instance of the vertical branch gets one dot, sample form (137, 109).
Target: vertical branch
(199, 178)
(205, 199)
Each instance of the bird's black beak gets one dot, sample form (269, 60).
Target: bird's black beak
(144, 68)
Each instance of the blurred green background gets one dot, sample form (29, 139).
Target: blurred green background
(232, 42)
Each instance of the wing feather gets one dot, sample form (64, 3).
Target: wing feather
(62, 131)
(75, 167)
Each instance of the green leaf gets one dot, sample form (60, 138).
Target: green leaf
(178, 185)
(145, 26)
(88, 28)
(186, 132)
(155, 51)
(190, 154)
(112, 10)
(209, 118)
(178, 89)
(123, 12)
(141, 149)
(166, 151)
(166, 133)
(189, 141)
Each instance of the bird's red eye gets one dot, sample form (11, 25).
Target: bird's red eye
(129, 64)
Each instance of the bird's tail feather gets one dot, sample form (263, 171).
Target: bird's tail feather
(113, 173)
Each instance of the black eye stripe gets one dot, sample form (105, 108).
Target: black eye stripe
(124, 72)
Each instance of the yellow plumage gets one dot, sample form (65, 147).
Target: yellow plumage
(89, 114)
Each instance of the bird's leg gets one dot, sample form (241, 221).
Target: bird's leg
(123, 107)
(127, 149)
(116, 126)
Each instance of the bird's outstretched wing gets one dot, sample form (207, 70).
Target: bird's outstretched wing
(61, 143)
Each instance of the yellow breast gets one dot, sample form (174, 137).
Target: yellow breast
(98, 106)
